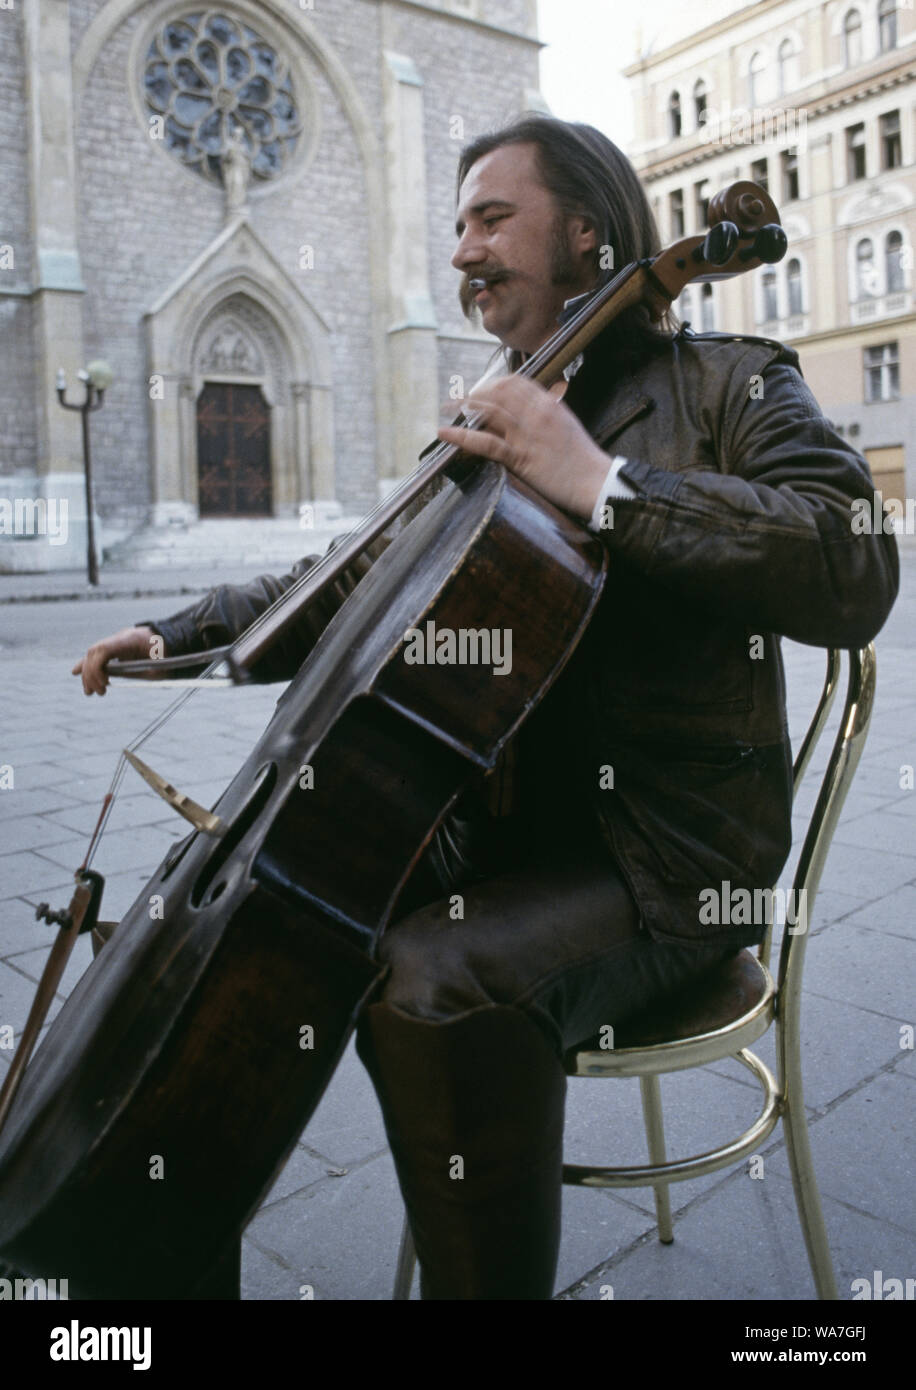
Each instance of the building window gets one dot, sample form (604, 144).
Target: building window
(674, 115)
(220, 87)
(882, 373)
(893, 262)
(855, 152)
(887, 25)
(770, 305)
(787, 67)
(701, 203)
(760, 173)
(707, 316)
(794, 283)
(684, 307)
(866, 270)
(852, 38)
(755, 80)
(699, 102)
(676, 211)
(789, 161)
(891, 151)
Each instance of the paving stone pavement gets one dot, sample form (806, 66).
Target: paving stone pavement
(332, 1220)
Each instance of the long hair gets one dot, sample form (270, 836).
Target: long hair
(590, 177)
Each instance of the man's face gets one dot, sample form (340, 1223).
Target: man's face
(511, 234)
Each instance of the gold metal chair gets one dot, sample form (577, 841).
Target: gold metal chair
(732, 1007)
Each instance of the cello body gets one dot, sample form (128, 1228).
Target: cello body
(200, 1041)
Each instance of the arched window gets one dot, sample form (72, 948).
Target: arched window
(707, 316)
(702, 194)
(699, 102)
(770, 305)
(787, 64)
(893, 262)
(887, 25)
(852, 38)
(866, 271)
(755, 80)
(794, 283)
(674, 115)
(676, 209)
(788, 159)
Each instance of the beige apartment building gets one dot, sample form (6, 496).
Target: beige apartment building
(816, 102)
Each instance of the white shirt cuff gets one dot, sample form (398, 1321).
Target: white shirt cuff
(613, 486)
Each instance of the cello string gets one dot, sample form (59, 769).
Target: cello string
(121, 767)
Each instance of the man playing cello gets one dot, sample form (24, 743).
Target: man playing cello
(726, 513)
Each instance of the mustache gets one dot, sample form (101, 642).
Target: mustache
(493, 276)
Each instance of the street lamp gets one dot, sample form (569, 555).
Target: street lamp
(96, 378)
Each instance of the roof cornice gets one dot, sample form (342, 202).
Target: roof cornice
(721, 26)
(702, 152)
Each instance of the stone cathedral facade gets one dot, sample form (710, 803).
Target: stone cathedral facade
(247, 209)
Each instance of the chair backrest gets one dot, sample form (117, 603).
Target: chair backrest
(841, 767)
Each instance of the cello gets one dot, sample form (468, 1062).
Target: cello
(204, 1035)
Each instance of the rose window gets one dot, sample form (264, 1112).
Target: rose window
(218, 84)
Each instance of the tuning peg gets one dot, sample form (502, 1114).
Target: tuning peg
(720, 245)
(770, 244)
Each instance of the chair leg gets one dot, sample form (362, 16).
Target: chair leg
(655, 1136)
(407, 1261)
(807, 1197)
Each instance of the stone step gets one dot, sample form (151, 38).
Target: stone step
(274, 544)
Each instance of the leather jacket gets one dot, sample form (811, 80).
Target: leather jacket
(740, 530)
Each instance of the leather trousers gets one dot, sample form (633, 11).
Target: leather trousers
(487, 988)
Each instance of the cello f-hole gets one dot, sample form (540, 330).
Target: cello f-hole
(225, 848)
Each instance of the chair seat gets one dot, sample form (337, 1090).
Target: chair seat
(719, 999)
